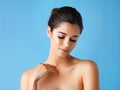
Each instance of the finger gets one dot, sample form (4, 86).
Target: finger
(49, 65)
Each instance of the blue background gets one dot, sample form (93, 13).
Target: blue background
(24, 43)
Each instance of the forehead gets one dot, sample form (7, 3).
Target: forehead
(68, 28)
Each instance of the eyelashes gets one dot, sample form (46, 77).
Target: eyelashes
(62, 37)
(72, 40)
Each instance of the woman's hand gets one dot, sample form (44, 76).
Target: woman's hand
(30, 77)
(43, 69)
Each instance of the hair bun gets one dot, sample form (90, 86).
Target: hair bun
(55, 10)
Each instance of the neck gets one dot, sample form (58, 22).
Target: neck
(56, 60)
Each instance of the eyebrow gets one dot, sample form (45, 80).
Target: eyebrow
(66, 34)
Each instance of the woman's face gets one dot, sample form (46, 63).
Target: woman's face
(64, 38)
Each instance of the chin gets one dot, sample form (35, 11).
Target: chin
(61, 55)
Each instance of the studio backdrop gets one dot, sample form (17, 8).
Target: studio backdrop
(24, 43)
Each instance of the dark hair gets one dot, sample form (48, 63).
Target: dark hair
(65, 14)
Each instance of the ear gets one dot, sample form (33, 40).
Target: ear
(49, 31)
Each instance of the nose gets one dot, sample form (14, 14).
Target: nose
(67, 43)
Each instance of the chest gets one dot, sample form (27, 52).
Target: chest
(53, 81)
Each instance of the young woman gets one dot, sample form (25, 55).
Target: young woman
(61, 71)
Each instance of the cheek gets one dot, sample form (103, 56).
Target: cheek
(73, 45)
(56, 41)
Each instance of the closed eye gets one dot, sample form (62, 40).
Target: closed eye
(73, 40)
(61, 37)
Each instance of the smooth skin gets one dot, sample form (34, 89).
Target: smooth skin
(61, 71)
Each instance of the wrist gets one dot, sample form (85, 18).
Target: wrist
(32, 85)
(33, 79)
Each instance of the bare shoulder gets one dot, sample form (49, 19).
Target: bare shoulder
(25, 75)
(24, 79)
(28, 72)
(87, 66)
(90, 74)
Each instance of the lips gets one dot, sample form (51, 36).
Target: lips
(64, 50)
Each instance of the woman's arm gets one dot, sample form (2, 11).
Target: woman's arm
(91, 76)
(24, 80)
(32, 84)
(30, 77)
